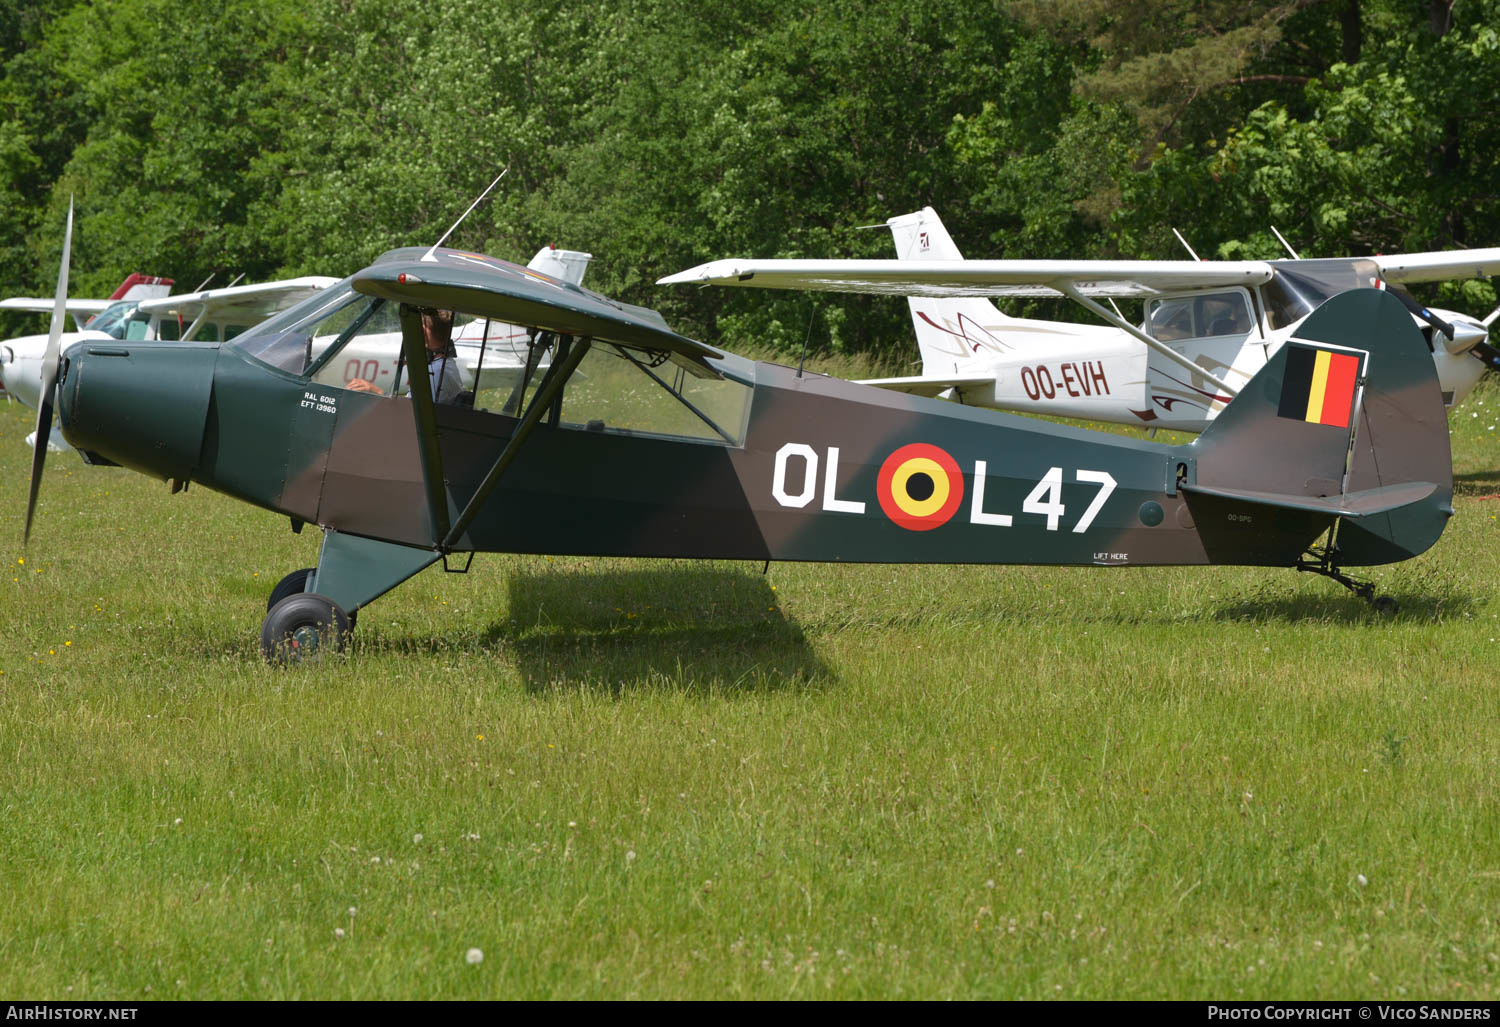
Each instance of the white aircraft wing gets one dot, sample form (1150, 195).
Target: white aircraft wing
(923, 385)
(247, 304)
(41, 306)
(1401, 268)
(1122, 278)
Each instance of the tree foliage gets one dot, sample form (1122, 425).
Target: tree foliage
(277, 137)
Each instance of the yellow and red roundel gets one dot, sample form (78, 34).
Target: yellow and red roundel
(920, 487)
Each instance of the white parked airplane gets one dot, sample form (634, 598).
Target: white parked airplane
(1208, 326)
(135, 287)
(210, 315)
(221, 314)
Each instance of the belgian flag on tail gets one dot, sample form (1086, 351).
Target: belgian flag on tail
(1319, 385)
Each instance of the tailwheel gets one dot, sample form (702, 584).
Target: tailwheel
(302, 627)
(1324, 561)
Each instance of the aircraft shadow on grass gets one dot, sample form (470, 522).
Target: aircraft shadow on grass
(1425, 599)
(688, 627)
(1477, 484)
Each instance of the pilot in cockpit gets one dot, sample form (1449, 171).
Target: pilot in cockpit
(442, 358)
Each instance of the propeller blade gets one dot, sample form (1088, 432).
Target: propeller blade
(49, 376)
(1422, 312)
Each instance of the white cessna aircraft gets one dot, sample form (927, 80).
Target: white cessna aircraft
(1208, 326)
(135, 287)
(218, 315)
(208, 315)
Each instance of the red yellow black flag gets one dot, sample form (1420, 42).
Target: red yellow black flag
(1319, 385)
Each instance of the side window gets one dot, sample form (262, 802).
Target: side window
(371, 334)
(621, 390)
(1199, 317)
(1170, 320)
(1224, 315)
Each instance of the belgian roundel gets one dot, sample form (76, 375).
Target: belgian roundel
(920, 487)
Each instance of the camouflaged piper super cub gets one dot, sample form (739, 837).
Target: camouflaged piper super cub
(616, 436)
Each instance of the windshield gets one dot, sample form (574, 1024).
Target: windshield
(1300, 287)
(115, 321)
(297, 336)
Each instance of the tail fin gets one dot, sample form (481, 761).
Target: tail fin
(1346, 419)
(565, 265)
(950, 331)
(143, 287)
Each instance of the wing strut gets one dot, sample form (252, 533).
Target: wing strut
(419, 385)
(550, 389)
(1070, 290)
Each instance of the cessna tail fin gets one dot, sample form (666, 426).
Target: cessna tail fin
(1346, 419)
(566, 265)
(143, 287)
(951, 332)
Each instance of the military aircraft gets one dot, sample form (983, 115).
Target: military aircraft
(1209, 326)
(639, 441)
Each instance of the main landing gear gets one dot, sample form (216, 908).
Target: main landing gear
(313, 610)
(302, 626)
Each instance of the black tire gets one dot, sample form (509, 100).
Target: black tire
(1384, 605)
(301, 628)
(293, 584)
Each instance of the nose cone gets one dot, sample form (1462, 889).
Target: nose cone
(21, 368)
(140, 404)
(1466, 335)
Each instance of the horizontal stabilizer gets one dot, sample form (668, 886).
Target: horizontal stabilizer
(1350, 504)
(924, 385)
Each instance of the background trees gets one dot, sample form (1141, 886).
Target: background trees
(276, 137)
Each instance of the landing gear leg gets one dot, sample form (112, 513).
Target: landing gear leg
(1325, 562)
(314, 609)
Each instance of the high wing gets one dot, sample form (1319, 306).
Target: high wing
(1049, 278)
(1402, 268)
(473, 284)
(247, 304)
(81, 309)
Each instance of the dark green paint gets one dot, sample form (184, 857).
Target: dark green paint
(386, 476)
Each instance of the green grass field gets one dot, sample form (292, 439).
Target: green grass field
(669, 779)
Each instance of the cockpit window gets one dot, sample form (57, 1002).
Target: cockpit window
(1298, 288)
(621, 390)
(294, 339)
(115, 321)
(1201, 316)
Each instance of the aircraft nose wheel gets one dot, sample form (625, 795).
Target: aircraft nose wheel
(301, 628)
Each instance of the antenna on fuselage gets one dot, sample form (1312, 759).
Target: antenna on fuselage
(428, 256)
(205, 281)
(1185, 245)
(810, 319)
(1284, 243)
